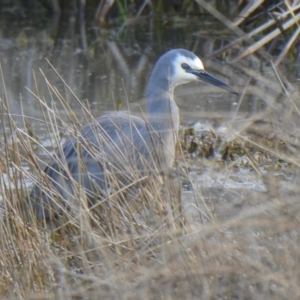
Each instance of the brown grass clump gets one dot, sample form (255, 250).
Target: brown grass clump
(205, 240)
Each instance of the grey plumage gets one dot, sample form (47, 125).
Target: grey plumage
(117, 143)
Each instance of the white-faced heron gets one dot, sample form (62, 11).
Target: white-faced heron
(117, 148)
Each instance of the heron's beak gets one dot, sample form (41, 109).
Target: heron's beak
(206, 77)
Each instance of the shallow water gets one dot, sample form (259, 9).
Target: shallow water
(108, 68)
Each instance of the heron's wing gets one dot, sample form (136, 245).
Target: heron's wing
(117, 147)
(120, 138)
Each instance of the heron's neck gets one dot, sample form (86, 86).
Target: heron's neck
(162, 111)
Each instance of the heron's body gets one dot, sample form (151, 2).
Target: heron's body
(122, 145)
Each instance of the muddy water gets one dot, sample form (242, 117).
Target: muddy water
(109, 68)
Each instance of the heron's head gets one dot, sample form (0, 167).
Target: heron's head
(185, 66)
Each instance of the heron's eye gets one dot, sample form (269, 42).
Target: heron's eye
(185, 66)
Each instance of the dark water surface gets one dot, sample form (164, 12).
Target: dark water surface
(113, 63)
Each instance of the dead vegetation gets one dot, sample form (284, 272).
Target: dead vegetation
(204, 242)
(205, 234)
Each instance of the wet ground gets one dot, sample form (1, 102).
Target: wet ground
(108, 68)
(237, 171)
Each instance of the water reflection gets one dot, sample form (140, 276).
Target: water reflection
(106, 68)
(99, 66)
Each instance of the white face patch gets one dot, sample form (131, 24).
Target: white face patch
(180, 76)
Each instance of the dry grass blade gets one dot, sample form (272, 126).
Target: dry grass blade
(279, 79)
(220, 17)
(257, 46)
(281, 156)
(205, 240)
(247, 10)
(231, 26)
(247, 37)
(287, 46)
(253, 48)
